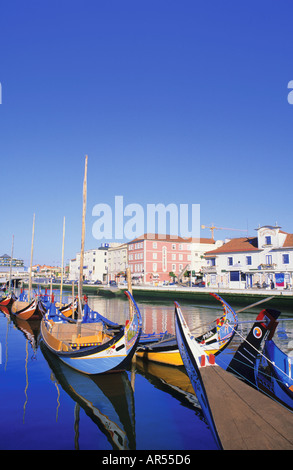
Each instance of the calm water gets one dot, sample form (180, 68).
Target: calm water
(45, 405)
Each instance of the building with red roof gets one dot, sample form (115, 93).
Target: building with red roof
(263, 261)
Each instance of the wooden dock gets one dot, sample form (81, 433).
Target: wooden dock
(245, 419)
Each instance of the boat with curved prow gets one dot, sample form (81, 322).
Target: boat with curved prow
(28, 310)
(90, 347)
(7, 300)
(165, 349)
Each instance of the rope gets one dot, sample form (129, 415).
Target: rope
(262, 391)
(261, 354)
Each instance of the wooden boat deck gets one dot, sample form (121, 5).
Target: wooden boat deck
(245, 418)
(68, 331)
(19, 305)
(66, 336)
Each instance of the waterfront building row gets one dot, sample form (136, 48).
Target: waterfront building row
(151, 259)
(264, 261)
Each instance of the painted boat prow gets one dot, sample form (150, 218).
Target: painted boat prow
(240, 417)
(193, 355)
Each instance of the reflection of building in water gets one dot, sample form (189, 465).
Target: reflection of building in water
(155, 318)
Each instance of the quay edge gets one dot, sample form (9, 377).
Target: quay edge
(281, 300)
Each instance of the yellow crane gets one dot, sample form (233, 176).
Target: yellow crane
(213, 227)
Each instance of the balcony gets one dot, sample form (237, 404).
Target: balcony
(209, 270)
(270, 266)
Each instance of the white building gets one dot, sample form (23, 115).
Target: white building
(117, 262)
(198, 249)
(263, 261)
(95, 265)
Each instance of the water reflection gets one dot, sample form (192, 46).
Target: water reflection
(107, 399)
(172, 380)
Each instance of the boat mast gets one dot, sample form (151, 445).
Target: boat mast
(11, 264)
(62, 264)
(31, 264)
(129, 285)
(82, 242)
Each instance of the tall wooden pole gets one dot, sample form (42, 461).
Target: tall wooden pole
(129, 285)
(62, 264)
(31, 264)
(82, 241)
(10, 272)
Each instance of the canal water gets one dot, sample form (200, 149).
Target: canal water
(46, 405)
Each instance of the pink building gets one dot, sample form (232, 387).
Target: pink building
(152, 257)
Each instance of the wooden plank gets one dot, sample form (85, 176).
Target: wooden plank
(244, 417)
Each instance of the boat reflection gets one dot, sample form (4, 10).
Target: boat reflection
(31, 330)
(107, 399)
(172, 380)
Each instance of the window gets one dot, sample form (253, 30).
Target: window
(248, 260)
(230, 261)
(234, 276)
(174, 246)
(173, 267)
(180, 247)
(213, 279)
(154, 244)
(212, 262)
(164, 253)
(155, 255)
(269, 259)
(154, 267)
(268, 240)
(174, 257)
(180, 257)
(285, 259)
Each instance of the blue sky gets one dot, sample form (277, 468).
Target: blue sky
(182, 102)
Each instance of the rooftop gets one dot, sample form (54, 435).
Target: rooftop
(172, 238)
(236, 245)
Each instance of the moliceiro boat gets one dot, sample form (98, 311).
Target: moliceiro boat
(165, 349)
(239, 416)
(274, 375)
(28, 310)
(7, 300)
(90, 347)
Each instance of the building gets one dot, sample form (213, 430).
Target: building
(158, 259)
(117, 262)
(263, 261)
(198, 249)
(47, 271)
(17, 265)
(95, 265)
